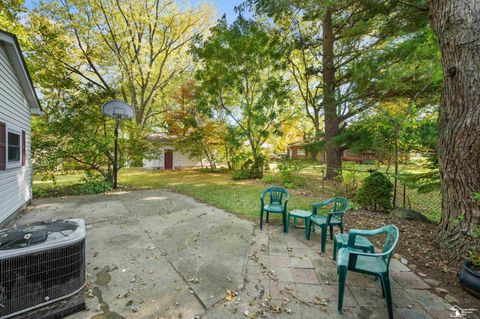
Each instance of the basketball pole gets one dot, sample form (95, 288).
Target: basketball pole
(115, 158)
(119, 111)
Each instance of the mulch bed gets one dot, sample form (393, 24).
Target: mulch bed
(419, 246)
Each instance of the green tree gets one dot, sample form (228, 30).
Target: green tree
(348, 36)
(131, 50)
(241, 77)
(82, 54)
(72, 135)
(10, 13)
(232, 146)
(197, 134)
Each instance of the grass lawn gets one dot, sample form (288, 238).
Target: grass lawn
(218, 189)
(62, 181)
(239, 197)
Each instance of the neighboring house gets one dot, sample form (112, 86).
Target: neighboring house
(359, 157)
(297, 151)
(167, 157)
(367, 156)
(18, 102)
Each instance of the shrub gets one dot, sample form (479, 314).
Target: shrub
(40, 193)
(370, 162)
(94, 187)
(289, 185)
(270, 179)
(290, 173)
(350, 180)
(474, 255)
(375, 192)
(256, 169)
(240, 174)
(251, 169)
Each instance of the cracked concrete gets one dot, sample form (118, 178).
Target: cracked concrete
(158, 254)
(154, 254)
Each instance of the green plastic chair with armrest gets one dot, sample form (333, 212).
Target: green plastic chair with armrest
(375, 264)
(334, 218)
(278, 200)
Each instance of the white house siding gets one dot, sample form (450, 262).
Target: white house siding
(15, 183)
(180, 160)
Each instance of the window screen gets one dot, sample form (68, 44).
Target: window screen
(13, 147)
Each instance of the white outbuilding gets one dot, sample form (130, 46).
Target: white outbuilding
(166, 156)
(18, 101)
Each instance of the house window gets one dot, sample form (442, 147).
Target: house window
(14, 147)
(301, 152)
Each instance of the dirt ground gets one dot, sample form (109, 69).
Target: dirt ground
(419, 246)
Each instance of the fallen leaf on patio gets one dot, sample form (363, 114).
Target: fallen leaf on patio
(89, 293)
(194, 280)
(229, 296)
(321, 301)
(272, 274)
(275, 309)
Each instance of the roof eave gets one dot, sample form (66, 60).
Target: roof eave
(15, 55)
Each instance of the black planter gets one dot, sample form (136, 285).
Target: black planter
(469, 278)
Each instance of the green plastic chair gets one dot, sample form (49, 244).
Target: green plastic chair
(351, 259)
(361, 243)
(277, 204)
(334, 218)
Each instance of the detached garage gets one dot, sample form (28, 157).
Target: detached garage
(18, 101)
(166, 156)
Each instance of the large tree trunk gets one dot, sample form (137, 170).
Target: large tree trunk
(457, 25)
(332, 121)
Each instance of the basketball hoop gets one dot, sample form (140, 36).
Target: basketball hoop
(119, 111)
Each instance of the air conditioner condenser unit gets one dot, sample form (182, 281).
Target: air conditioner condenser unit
(42, 269)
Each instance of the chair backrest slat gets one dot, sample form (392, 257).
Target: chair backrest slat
(277, 195)
(340, 204)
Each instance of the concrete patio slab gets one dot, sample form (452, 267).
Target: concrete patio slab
(158, 254)
(154, 254)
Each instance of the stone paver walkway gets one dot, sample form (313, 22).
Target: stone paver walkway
(157, 254)
(288, 277)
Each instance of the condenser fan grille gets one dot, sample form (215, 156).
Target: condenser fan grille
(34, 234)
